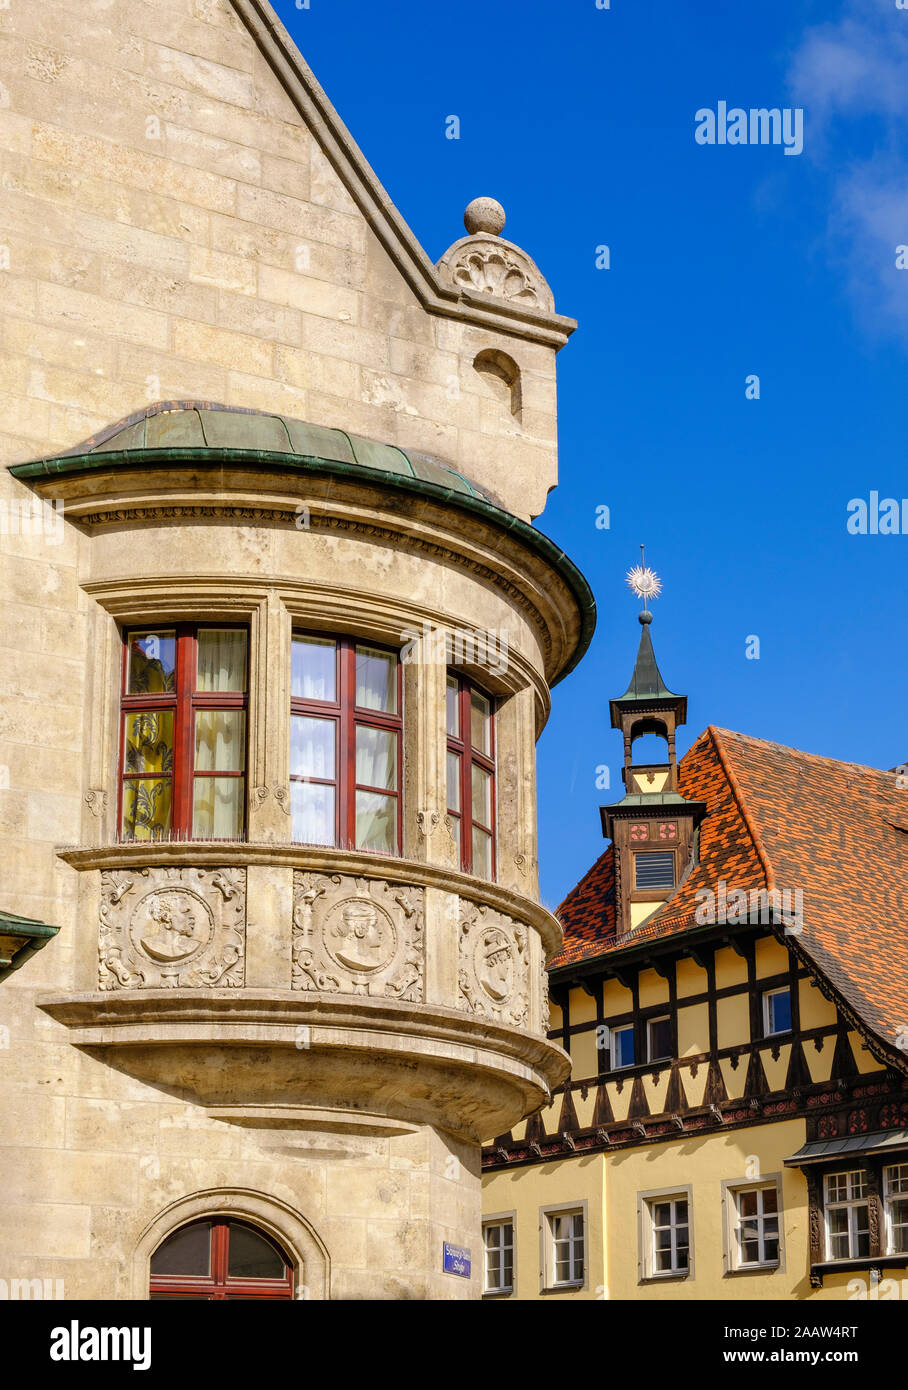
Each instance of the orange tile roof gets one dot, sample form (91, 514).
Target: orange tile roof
(781, 819)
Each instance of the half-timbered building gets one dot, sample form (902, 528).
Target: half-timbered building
(733, 993)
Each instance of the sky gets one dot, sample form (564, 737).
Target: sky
(725, 262)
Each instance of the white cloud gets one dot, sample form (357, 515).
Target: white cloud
(851, 76)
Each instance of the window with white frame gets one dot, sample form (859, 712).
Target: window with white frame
(776, 1011)
(622, 1046)
(498, 1243)
(565, 1248)
(895, 1201)
(754, 1214)
(847, 1215)
(667, 1236)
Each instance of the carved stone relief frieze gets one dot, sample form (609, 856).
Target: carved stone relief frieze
(172, 928)
(358, 936)
(494, 964)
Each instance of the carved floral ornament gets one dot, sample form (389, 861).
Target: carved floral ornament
(170, 928)
(358, 936)
(488, 265)
(493, 965)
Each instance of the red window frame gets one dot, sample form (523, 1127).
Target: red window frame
(184, 703)
(463, 746)
(347, 715)
(219, 1286)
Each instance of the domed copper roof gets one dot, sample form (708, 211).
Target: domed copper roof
(194, 425)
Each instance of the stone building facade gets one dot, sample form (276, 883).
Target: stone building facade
(284, 824)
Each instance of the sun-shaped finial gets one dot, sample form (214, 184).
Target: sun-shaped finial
(644, 582)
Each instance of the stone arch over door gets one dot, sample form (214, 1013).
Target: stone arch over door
(312, 1266)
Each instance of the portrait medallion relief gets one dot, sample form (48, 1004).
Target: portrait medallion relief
(170, 925)
(357, 936)
(169, 928)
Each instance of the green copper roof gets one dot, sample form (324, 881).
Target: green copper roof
(190, 425)
(646, 681)
(649, 799)
(20, 938)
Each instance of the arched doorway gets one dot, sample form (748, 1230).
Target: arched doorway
(220, 1258)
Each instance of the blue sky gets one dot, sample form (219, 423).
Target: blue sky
(725, 262)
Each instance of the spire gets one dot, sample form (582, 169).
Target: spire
(646, 681)
(653, 827)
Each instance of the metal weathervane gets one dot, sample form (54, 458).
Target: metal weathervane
(643, 581)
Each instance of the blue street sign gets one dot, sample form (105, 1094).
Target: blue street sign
(457, 1260)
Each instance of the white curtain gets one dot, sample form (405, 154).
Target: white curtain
(222, 659)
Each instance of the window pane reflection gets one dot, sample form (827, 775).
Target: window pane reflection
(453, 708)
(312, 813)
(376, 680)
(312, 747)
(480, 723)
(314, 669)
(151, 663)
(453, 782)
(482, 795)
(376, 822)
(376, 758)
(146, 808)
(220, 740)
(217, 807)
(482, 853)
(251, 1256)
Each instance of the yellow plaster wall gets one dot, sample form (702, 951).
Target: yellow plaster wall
(732, 1020)
(582, 1007)
(640, 911)
(584, 1055)
(616, 999)
(690, 978)
(704, 1164)
(693, 1030)
(731, 969)
(816, 1012)
(525, 1191)
(771, 957)
(653, 989)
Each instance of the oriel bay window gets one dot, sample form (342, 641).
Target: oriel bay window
(345, 744)
(471, 776)
(183, 733)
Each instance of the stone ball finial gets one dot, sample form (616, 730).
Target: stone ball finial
(484, 215)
